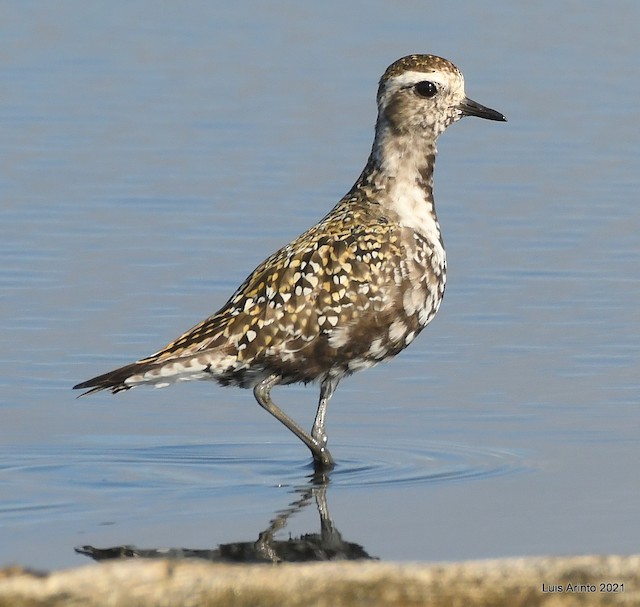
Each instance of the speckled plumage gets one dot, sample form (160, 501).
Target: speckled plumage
(353, 290)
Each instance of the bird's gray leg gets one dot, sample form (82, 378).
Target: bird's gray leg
(262, 392)
(318, 433)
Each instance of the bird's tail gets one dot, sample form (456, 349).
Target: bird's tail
(159, 371)
(113, 380)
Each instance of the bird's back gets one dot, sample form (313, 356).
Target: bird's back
(351, 291)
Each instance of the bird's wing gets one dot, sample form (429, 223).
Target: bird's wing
(314, 285)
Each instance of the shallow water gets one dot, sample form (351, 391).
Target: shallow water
(152, 158)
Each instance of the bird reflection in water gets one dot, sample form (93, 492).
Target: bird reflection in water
(328, 545)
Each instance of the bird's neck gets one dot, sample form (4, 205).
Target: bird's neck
(400, 171)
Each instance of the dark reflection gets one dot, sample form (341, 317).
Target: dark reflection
(327, 545)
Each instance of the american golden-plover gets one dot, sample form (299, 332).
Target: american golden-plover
(353, 290)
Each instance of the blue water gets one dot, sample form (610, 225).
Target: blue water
(151, 157)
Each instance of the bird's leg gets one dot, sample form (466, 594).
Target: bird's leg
(262, 392)
(318, 433)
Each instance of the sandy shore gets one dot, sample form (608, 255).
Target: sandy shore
(588, 580)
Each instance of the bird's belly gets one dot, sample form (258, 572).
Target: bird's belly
(377, 336)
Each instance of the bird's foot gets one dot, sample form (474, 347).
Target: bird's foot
(322, 459)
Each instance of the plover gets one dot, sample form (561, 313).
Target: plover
(353, 290)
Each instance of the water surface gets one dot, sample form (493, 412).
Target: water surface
(151, 158)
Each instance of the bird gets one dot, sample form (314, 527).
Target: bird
(350, 292)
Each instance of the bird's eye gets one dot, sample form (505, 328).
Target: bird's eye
(426, 89)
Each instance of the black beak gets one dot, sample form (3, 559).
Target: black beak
(469, 107)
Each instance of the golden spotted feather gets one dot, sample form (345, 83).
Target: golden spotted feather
(322, 305)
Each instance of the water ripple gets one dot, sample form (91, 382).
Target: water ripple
(236, 466)
(431, 462)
